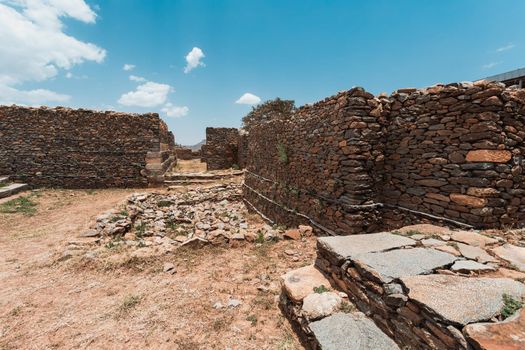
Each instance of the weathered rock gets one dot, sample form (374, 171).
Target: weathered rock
(513, 254)
(317, 305)
(469, 265)
(475, 253)
(489, 156)
(468, 201)
(305, 230)
(506, 335)
(292, 234)
(472, 238)
(350, 246)
(448, 249)
(432, 242)
(301, 282)
(481, 298)
(350, 332)
(404, 262)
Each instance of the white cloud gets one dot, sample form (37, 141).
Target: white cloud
(33, 46)
(37, 97)
(248, 99)
(137, 79)
(193, 59)
(149, 94)
(490, 65)
(69, 75)
(175, 111)
(506, 47)
(128, 67)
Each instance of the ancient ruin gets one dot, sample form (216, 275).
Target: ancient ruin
(416, 200)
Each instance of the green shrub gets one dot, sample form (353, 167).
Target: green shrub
(281, 153)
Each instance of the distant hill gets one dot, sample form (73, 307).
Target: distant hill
(197, 146)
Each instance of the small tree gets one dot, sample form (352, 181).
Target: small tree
(269, 110)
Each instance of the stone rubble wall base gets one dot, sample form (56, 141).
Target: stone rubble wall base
(453, 153)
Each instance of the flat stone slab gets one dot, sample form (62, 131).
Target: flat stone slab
(472, 238)
(462, 300)
(301, 282)
(350, 332)
(469, 265)
(11, 189)
(405, 262)
(513, 254)
(506, 335)
(425, 229)
(317, 305)
(475, 253)
(344, 247)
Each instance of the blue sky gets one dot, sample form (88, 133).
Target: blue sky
(302, 50)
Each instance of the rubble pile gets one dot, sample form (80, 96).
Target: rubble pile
(214, 215)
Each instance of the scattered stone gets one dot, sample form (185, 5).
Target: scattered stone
(169, 267)
(350, 331)
(478, 299)
(317, 305)
(513, 254)
(290, 252)
(469, 265)
(306, 231)
(195, 242)
(506, 335)
(218, 305)
(232, 303)
(292, 234)
(89, 233)
(301, 282)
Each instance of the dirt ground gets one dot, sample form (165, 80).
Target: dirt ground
(49, 302)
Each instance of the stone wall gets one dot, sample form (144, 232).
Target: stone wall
(70, 148)
(358, 163)
(320, 163)
(456, 151)
(221, 148)
(186, 153)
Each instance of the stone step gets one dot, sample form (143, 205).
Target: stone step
(411, 292)
(12, 189)
(202, 176)
(4, 179)
(323, 319)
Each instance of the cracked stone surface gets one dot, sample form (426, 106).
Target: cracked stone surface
(469, 265)
(317, 305)
(405, 262)
(350, 332)
(472, 238)
(475, 253)
(513, 254)
(301, 282)
(351, 246)
(462, 300)
(506, 335)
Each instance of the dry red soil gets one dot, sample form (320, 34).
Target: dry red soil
(117, 302)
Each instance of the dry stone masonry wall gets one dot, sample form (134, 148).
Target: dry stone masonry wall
(357, 163)
(221, 148)
(320, 163)
(82, 148)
